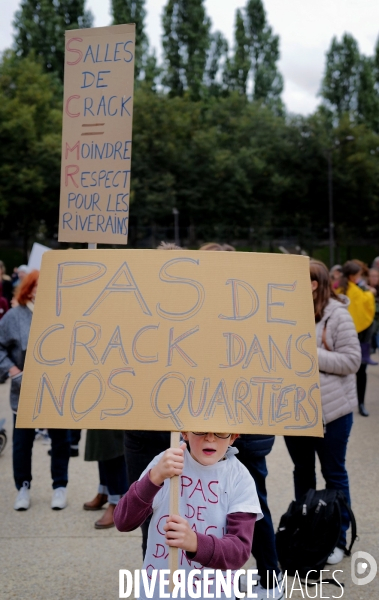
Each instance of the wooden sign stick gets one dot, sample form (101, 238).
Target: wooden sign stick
(173, 558)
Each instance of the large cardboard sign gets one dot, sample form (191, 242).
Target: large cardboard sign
(97, 135)
(173, 340)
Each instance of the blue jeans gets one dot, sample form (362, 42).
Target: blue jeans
(140, 449)
(113, 480)
(23, 440)
(253, 450)
(331, 450)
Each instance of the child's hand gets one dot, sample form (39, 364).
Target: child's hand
(179, 534)
(169, 465)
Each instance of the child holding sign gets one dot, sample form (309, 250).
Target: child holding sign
(217, 498)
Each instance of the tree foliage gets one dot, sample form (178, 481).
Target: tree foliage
(240, 65)
(231, 166)
(211, 140)
(368, 96)
(217, 61)
(351, 82)
(186, 42)
(133, 11)
(40, 27)
(256, 54)
(30, 146)
(341, 79)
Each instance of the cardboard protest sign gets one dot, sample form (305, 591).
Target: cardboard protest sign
(35, 257)
(150, 339)
(97, 134)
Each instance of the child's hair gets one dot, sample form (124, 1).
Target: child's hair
(24, 291)
(324, 292)
(168, 246)
(351, 267)
(218, 247)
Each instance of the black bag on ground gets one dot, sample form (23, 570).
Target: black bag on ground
(309, 531)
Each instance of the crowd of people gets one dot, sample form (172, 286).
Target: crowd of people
(9, 285)
(135, 466)
(359, 285)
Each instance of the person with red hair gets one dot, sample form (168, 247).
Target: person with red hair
(14, 335)
(27, 291)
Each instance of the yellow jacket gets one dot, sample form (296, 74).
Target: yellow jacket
(361, 307)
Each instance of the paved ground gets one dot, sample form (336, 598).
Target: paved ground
(58, 555)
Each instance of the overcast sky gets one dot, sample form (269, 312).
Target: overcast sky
(305, 27)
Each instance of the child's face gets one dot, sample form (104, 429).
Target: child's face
(207, 449)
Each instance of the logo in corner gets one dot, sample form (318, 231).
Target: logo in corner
(360, 563)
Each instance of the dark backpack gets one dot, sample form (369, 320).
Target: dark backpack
(309, 531)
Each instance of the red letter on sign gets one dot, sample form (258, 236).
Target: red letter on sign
(70, 114)
(78, 52)
(76, 147)
(71, 174)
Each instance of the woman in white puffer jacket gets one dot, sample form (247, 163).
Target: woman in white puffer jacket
(339, 358)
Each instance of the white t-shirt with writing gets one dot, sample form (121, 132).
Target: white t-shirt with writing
(207, 494)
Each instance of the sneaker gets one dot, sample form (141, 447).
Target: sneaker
(46, 440)
(59, 500)
(39, 434)
(274, 593)
(23, 497)
(43, 435)
(243, 582)
(336, 556)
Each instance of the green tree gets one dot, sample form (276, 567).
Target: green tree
(351, 83)
(232, 168)
(264, 48)
(256, 54)
(355, 177)
(30, 147)
(186, 42)
(40, 27)
(217, 160)
(216, 64)
(240, 65)
(151, 72)
(133, 11)
(340, 84)
(376, 65)
(368, 96)
(356, 180)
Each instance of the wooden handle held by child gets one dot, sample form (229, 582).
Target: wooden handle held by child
(173, 559)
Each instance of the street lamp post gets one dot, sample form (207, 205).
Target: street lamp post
(175, 212)
(329, 157)
(331, 216)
